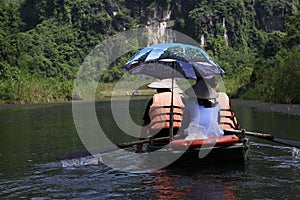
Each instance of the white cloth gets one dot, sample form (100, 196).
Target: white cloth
(205, 117)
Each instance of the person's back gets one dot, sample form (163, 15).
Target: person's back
(206, 117)
(160, 110)
(202, 109)
(157, 113)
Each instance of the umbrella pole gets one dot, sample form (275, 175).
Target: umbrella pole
(172, 108)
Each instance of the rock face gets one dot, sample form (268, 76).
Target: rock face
(207, 19)
(238, 22)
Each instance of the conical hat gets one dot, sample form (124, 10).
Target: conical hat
(202, 90)
(166, 83)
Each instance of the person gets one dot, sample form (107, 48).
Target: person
(157, 113)
(227, 119)
(202, 109)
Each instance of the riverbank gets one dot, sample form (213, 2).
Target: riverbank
(35, 105)
(289, 109)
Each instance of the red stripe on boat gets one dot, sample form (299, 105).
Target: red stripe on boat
(211, 141)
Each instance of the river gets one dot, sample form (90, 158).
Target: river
(32, 137)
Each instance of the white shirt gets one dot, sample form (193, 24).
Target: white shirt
(205, 117)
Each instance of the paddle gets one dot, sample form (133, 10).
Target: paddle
(130, 144)
(86, 153)
(268, 137)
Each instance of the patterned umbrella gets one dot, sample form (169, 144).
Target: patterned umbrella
(186, 60)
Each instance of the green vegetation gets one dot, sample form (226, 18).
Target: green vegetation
(279, 81)
(277, 68)
(43, 43)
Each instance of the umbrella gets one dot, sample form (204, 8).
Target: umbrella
(188, 62)
(173, 60)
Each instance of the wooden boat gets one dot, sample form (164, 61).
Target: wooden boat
(217, 149)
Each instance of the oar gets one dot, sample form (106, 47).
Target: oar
(130, 144)
(86, 153)
(268, 137)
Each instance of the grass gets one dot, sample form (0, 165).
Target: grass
(30, 89)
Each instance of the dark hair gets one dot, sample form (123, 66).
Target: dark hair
(206, 103)
(159, 90)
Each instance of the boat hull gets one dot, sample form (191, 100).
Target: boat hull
(238, 152)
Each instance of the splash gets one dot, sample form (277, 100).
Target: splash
(296, 153)
(90, 160)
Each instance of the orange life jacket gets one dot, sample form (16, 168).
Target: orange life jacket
(160, 110)
(227, 117)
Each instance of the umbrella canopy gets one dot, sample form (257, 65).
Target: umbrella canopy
(186, 60)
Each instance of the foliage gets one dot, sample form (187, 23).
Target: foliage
(279, 80)
(43, 43)
(277, 69)
(22, 87)
(292, 30)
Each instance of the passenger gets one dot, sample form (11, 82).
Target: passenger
(227, 119)
(202, 108)
(157, 113)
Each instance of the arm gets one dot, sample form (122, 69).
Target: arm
(147, 120)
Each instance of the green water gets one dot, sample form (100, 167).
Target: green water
(279, 125)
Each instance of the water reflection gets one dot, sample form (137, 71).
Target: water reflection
(164, 185)
(279, 125)
(169, 185)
